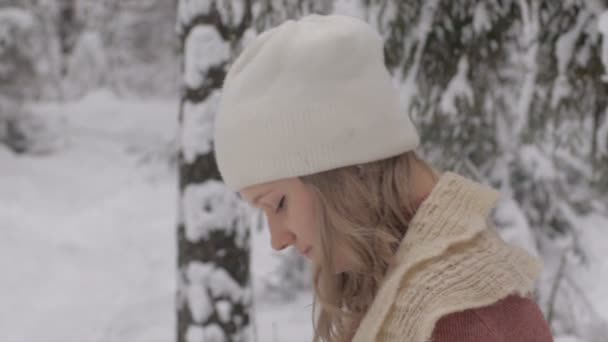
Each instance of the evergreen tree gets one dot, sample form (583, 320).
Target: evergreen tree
(510, 93)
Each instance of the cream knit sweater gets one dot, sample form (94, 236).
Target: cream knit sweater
(451, 259)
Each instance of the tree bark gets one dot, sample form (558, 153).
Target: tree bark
(214, 293)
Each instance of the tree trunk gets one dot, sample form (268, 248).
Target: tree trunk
(214, 293)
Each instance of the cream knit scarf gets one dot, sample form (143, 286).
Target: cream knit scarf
(451, 259)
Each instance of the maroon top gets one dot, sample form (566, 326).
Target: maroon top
(513, 318)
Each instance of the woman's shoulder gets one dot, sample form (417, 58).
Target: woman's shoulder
(513, 318)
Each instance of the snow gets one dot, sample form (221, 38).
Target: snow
(219, 282)
(422, 29)
(565, 44)
(594, 234)
(77, 260)
(481, 21)
(198, 299)
(573, 161)
(379, 16)
(224, 308)
(188, 9)
(285, 322)
(602, 135)
(602, 25)
(87, 66)
(238, 9)
(88, 231)
(561, 89)
(204, 48)
(568, 339)
(602, 22)
(564, 48)
(536, 162)
(514, 227)
(529, 49)
(17, 16)
(425, 25)
(457, 88)
(587, 295)
(213, 333)
(588, 304)
(348, 7)
(195, 334)
(208, 206)
(231, 12)
(197, 129)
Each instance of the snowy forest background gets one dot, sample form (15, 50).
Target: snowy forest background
(111, 212)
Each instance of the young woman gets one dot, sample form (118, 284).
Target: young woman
(311, 131)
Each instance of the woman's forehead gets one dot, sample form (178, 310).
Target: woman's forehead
(253, 196)
(252, 192)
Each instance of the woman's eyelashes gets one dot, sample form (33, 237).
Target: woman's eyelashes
(280, 205)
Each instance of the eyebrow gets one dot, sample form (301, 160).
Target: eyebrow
(257, 198)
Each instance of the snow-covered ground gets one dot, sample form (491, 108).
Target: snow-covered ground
(595, 239)
(87, 226)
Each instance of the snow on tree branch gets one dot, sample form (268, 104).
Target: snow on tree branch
(209, 333)
(204, 48)
(207, 283)
(351, 8)
(16, 16)
(458, 87)
(564, 49)
(421, 32)
(481, 20)
(209, 207)
(187, 10)
(529, 44)
(197, 129)
(603, 29)
(232, 11)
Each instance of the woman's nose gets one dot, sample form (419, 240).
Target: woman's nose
(280, 237)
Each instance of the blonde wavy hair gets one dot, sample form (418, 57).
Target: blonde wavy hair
(364, 212)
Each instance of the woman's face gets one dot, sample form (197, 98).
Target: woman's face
(289, 207)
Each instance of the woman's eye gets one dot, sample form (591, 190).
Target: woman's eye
(281, 204)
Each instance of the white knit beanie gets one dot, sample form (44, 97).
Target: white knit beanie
(308, 96)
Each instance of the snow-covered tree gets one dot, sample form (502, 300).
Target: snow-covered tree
(214, 293)
(86, 67)
(269, 13)
(17, 73)
(140, 45)
(511, 92)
